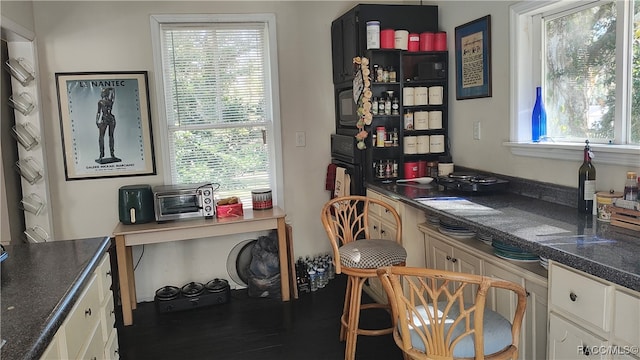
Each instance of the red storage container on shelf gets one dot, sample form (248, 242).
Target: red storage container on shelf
(426, 41)
(440, 41)
(387, 39)
(411, 170)
(414, 42)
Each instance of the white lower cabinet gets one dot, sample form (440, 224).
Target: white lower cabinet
(533, 339)
(382, 225)
(89, 331)
(591, 317)
(568, 341)
(53, 350)
(473, 257)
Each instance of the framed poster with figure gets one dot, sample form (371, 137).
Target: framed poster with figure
(105, 124)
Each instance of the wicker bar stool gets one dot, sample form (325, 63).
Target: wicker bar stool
(441, 315)
(358, 255)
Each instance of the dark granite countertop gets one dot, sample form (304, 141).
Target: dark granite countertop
(40, 284)
(547, 229)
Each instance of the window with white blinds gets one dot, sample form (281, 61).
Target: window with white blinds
(218, 103)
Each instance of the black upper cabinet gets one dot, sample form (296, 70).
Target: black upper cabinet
(349, 31)
(344, 46)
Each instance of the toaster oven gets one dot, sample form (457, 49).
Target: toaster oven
(174, 202)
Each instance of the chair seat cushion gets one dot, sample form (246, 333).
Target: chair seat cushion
(372, 254)
(496, 328)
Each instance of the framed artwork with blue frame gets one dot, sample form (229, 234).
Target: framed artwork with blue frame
(473, 59)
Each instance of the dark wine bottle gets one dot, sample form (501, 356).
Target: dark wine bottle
(586, 182)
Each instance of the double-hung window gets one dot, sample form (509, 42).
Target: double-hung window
(586, 57)
(216, 80)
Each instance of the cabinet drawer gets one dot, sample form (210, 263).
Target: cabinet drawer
(626, 318)
(387, 231)
(581, 296)
(107, 318)
(568, 341)
(386, 215)
(376, 209)
(104, 277)
(111, 351)
(95, 347)
(83, 318)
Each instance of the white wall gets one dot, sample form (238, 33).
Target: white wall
(111, 36)
(102, 36)
(493, 113)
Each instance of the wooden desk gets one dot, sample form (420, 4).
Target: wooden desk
(152, 233)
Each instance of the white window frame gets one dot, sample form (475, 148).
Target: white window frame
(525, 70)
(274, 137)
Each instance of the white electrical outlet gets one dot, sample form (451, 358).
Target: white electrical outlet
(476, 130)
(301, 139)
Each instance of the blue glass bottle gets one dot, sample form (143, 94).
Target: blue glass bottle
(538, 118)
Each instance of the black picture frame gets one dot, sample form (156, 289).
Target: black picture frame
(473, 59)
(105, 124)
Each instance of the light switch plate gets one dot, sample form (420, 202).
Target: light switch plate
(476, 130)
(301, 139)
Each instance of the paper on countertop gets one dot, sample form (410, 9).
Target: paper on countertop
(458, 206)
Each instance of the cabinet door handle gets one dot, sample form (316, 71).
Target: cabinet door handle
(375, 227)
(448, 257)
(573, 296)
(87, 312)
(454, 260)
(108, 273)
(382, 232)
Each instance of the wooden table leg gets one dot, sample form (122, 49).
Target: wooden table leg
(123, 276)
(132, 278)
(284, 263)
(292, 263)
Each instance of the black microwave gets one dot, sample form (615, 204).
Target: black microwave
(346, 111)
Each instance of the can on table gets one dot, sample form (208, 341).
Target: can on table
(604, 200)
(261, 199)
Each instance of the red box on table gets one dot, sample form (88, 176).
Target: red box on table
(229, 210)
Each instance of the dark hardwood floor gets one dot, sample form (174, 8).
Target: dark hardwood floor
(254, 328)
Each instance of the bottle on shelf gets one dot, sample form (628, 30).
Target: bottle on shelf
(387, 106)
(381, 136)
(381, 106)
(395, 106)
(392, 74)
(586, 182)
(408, 119)
(631, 187)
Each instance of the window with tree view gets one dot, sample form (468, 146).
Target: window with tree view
(591, 72)
(217, 96)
